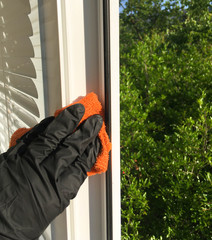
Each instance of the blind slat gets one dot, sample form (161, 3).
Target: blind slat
(19, 46)
(18, 27)
(24, 101)
(20, 114)
(19, 65)
(17, 7)
(19, 99)
(21, 83)
(26, 118)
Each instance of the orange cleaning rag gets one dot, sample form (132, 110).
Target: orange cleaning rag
(92, 107)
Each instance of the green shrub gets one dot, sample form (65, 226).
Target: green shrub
(166, 133)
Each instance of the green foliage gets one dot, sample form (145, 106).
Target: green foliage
(166, 126)
(168, 84)
(181, 18)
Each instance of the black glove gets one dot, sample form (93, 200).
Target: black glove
(44, 171)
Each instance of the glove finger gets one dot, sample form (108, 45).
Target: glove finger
(62, 126)
(76, 173)
(85, 134)
(73, 146)
(89, 157)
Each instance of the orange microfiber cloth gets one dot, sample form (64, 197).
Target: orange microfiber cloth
(92, 106)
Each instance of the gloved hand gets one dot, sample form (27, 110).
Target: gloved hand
(44, 171)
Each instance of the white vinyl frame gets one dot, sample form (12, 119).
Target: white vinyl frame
(82, 71)
(115, 119)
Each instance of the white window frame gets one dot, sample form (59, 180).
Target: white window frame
(86, 217)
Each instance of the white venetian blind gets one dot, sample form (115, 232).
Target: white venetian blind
(21, 79)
